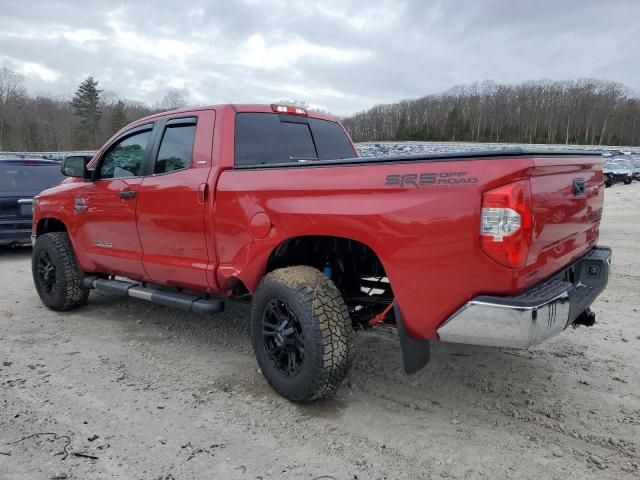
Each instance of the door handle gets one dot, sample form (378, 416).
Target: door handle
(127, 194)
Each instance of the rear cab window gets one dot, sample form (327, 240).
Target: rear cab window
(270, 138)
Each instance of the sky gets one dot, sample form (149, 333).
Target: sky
(341, 56)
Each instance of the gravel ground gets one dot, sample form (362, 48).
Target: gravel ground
(155, 394)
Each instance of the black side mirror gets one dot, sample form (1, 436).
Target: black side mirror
(75, 166)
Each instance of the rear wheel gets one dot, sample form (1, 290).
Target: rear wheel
(301, 333)
(56, 274)
(627, 180)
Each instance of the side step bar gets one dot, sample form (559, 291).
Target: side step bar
(182, 301)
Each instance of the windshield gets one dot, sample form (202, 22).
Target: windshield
(30, 179)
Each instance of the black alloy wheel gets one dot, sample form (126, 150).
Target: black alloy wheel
(283, 339)
(46, 273)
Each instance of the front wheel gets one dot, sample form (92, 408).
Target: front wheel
(301, 332)
(627, 181)
(56, 274)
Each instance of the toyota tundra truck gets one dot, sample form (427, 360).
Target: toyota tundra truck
(271, 203)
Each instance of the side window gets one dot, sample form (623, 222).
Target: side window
(124, 159)
(176, 148)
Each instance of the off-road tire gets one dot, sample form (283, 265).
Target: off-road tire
(326, 331)
(66, 291)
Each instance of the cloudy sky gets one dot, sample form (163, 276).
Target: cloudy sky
(344, 56)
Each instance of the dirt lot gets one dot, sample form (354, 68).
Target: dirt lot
(154, 394)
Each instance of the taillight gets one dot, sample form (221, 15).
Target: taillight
(506, 224)
(290, 109)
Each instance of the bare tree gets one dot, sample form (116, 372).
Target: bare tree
(173, 100)
(12, 94)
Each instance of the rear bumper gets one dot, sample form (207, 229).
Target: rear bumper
(540, 312)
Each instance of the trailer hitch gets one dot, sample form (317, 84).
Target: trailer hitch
(586, 318)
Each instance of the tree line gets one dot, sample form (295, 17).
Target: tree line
(585, 111)
(84, 121)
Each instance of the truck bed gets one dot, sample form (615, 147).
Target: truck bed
(426, 234)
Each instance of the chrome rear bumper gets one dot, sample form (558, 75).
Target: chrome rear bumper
(538, 313)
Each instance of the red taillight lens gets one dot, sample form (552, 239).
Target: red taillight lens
(506, 224)
(289, 109)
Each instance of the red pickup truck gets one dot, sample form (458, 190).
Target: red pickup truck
(271, 202)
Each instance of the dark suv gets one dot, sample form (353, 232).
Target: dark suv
(20, 180)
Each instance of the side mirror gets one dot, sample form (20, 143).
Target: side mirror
(75, 166)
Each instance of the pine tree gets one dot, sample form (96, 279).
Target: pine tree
(453, 123)
(86, 105)
(118, 117)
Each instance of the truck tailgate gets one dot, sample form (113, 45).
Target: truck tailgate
(568, 195)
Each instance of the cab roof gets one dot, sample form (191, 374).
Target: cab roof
(236, 107)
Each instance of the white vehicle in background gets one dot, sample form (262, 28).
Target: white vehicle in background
(628, 164)
(615, 172)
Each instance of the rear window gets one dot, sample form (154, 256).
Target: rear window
(266, 138)
(28, 178)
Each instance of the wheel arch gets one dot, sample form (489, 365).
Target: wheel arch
(50, 224)
(310, 250)
(313, 250)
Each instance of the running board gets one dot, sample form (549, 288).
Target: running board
(167, 298)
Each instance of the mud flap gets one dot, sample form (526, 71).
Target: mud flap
(416, 352)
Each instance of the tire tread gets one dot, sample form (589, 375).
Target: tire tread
(75, 294)
(330, 328)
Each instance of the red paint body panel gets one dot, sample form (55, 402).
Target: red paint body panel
(170, 217)
(566, 225)
(426, 238)
(112, 221)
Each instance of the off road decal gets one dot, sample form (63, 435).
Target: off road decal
(418, 180)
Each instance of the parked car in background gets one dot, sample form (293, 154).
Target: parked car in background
(612, 153)
(20, 180)
(615, 172)
(635, 170)
(635, 162)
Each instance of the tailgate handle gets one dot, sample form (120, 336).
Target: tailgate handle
(578, 186)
